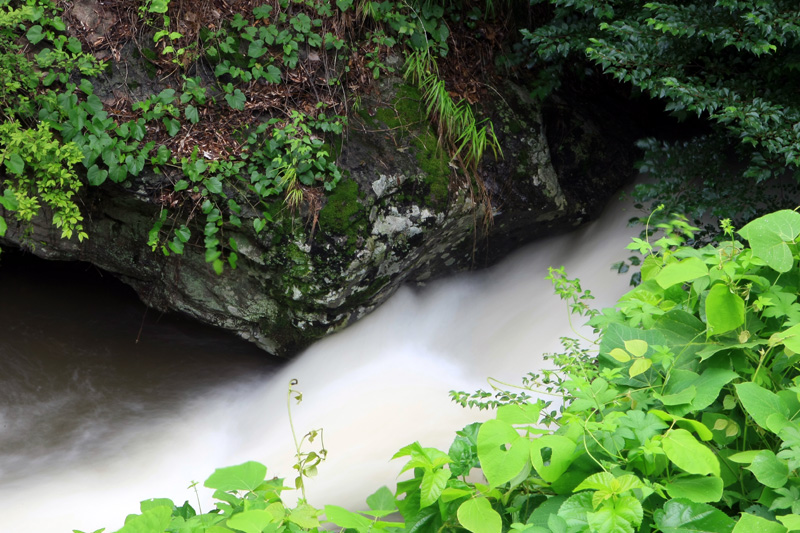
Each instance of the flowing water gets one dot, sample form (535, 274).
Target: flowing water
(103, 405)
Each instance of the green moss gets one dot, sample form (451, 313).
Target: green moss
(150, 55)
(343, 214)
(298, 261)
(334, 148)
(433, 161)
(406, 112)
(406, 117)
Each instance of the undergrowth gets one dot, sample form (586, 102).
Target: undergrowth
(250, 99)
(683, 416)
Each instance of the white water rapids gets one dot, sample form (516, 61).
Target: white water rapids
(81, 446)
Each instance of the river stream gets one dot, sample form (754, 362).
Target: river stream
(103, 404)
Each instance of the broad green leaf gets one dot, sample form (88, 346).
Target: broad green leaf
(724, 310)
(543, 512)
(433, 483)
(684, 516)
(620, 355)
(561, 456)
(575, 510)
(760, 403)
(745, 457)
(253, 521)
(687, 423)
(599, 481)
(750, 523)
(15, 164)
(236, 100)
(791, 521)
(477, 516)
(3, 227)
(768, 236)
(35, 34)
(246, 476)
(304, 516)
(636, 347)
(502, 452)
(192, 114)
(214, 185)
(639, 366)
(152, 503)
(9, 200)
(769, 470)
(789, 338)
(684, 396)
(95, 176)
(347, 519)
(523, 414)
(709, 385)
(382, 500)
(155, 519)
(620, 515)
(688, 454)
(699, 489)
(687, 270)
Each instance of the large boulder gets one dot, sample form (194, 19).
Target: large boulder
(401, 214)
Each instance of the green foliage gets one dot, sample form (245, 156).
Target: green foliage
(699, 438)
(734, 62)
(39, 171)
(705, 437)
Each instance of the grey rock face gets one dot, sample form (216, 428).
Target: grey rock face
(396, 218)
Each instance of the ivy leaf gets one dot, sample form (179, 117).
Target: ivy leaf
(214, 185)
(272, 74)
(643, 426)
(477, 516)
(173, 126)
(192, 115)
(96, 176)
(256, 49)
(236, 100)
(3, 227)
(724, 310)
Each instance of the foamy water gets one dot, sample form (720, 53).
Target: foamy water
(374, 388)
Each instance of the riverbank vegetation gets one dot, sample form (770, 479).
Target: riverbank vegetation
(238, 113)
(683, 416)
